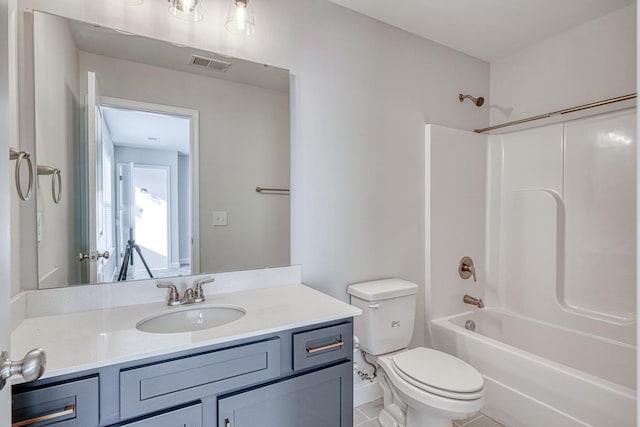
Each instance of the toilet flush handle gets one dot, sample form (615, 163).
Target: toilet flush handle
(374, 305)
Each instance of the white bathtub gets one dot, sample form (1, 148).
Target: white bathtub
(541, 375)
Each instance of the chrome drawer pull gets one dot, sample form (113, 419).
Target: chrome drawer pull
(336, 344)
(68, 410)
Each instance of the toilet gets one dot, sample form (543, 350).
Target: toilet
(421, 387)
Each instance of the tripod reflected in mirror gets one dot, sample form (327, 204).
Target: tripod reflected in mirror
(127, 258)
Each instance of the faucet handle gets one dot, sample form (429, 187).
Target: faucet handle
(467, 269)
(198, 293)
(188, 298)
(174, 296)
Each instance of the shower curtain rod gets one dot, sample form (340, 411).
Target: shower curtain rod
(560, 112)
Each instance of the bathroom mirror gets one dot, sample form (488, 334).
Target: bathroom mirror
(160, 150)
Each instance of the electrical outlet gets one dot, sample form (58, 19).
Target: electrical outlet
(219, 218)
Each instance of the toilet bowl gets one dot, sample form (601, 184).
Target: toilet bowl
(431, 388)
(421, 387)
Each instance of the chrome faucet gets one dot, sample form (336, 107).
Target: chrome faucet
(468, 299)
(191, 296)
(187, 297)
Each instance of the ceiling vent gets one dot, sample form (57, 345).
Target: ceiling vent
(210, 63)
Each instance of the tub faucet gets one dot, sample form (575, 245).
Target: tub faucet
(468, 299)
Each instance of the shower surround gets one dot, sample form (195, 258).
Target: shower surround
(556, 246)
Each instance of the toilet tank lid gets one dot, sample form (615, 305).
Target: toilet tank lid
(382, 289)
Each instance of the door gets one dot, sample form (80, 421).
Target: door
(152, 227)
(5, 229)
(319, 399)
(125, 210)
(100, 177)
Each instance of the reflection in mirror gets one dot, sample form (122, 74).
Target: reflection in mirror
(161, 148)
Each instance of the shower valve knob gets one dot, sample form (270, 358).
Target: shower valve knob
(466, 268)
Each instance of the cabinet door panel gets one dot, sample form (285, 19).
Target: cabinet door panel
(184, 417)
(318, 399)
(162, 385)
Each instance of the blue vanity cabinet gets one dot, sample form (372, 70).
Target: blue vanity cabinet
(301, 377)
(321, 398)
(190, 416)
(144, 389)
(67, 404)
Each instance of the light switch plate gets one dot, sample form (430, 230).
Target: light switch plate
(219, 218)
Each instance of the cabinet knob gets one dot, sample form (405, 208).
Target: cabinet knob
(31, 367)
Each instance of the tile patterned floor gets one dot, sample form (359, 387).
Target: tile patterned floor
(367, 416)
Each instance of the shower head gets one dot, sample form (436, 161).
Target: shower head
(478, 101)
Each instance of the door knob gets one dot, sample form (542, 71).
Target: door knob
(93, 256)
(31, 367)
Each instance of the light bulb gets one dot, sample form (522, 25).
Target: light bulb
(240, 17)
(188, 10)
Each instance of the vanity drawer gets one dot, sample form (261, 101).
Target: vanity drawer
(190, 416)
(72, 404)
(321, 346)
(154, 387)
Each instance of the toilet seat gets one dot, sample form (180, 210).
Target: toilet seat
(439, 373)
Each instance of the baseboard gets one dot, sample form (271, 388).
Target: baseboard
(366, 392)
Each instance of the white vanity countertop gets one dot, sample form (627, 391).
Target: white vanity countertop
(80, 341)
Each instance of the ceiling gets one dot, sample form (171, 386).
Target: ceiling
(142, 129)
(118, 44)
(485, 29)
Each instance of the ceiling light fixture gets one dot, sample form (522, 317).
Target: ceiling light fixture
(240, 18)
(189, 10)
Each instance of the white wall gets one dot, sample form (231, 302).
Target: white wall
(591, 62)
(23, 214)
(594, 61)
(455, 217)
(57, 126)
(362, 93)
(244, 144)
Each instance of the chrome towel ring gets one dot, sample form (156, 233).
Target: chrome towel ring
(21, 156)
(56, 181)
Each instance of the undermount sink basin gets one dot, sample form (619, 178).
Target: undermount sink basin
(190, 319)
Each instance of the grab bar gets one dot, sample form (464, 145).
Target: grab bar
(56, 177)
(279, 191)
(19, 156)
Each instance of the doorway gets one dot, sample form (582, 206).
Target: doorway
(155, 153)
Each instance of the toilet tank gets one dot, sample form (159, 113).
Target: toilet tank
(388, 314)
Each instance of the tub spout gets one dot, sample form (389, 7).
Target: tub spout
(468, 299)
